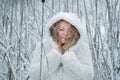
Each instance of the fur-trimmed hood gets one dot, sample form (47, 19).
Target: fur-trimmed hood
(70, 18)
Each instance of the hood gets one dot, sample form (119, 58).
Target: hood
(70, 18)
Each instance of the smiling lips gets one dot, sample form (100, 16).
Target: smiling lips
(63, 39)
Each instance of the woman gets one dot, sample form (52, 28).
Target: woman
(66, 56)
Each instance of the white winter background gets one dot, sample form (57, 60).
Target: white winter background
(21, 26)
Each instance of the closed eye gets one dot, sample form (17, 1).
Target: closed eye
(60, 29)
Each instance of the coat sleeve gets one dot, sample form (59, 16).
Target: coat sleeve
(79, 65)
(50, 62)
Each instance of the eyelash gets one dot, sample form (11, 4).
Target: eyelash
(63, 30)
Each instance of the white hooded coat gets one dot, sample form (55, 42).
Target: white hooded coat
(75, 64)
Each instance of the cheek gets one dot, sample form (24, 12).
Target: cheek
(59, 34)
(69, 36)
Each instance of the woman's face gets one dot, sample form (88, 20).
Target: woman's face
(64, 31)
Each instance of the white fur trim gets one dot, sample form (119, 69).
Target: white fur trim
(71, 18)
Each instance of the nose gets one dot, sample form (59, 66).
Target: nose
(65, 33)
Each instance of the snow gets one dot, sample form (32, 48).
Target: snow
(20, 30)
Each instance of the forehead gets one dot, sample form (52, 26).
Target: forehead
(64, 24)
